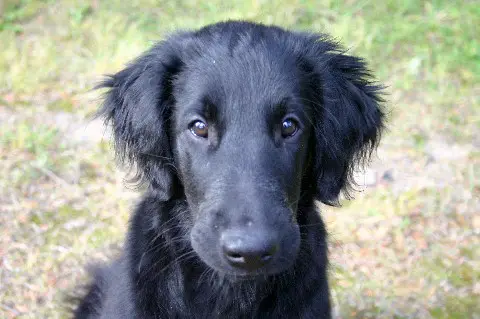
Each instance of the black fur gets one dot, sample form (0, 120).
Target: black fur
(243, 80)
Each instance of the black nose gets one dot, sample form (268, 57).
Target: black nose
(248, 251)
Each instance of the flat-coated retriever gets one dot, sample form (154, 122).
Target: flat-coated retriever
(237, 129)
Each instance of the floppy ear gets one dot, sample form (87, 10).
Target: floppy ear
(348, 117)
(138, 105)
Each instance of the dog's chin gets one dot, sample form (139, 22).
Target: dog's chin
(240, 278)
(236, 275)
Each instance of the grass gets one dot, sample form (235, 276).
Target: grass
(34, 146)
(405, 248)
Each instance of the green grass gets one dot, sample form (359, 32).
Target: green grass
(428, 50)
(34, 147)
(405, 249)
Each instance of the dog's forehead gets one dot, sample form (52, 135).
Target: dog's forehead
(244, 79)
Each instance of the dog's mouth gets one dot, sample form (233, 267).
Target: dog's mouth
(241, 277)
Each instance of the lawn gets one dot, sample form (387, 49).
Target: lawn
(408, 246)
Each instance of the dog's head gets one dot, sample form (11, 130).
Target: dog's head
(249, 123)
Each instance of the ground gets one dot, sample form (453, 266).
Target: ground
(406, 247)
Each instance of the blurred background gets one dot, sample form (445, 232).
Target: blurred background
(407, 247)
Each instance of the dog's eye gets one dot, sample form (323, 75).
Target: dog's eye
(289, 127)
(199, 128)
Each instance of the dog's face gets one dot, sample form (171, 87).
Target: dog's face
(246, 122)
(241, 134)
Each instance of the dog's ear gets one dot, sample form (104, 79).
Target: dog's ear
(348, 115)
(138, 105)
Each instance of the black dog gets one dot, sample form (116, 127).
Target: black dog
(236, 129)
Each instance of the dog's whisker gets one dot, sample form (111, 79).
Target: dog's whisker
(159, 156)
(178, 259)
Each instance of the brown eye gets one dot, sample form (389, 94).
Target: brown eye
(289, 128)
(199, 128)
